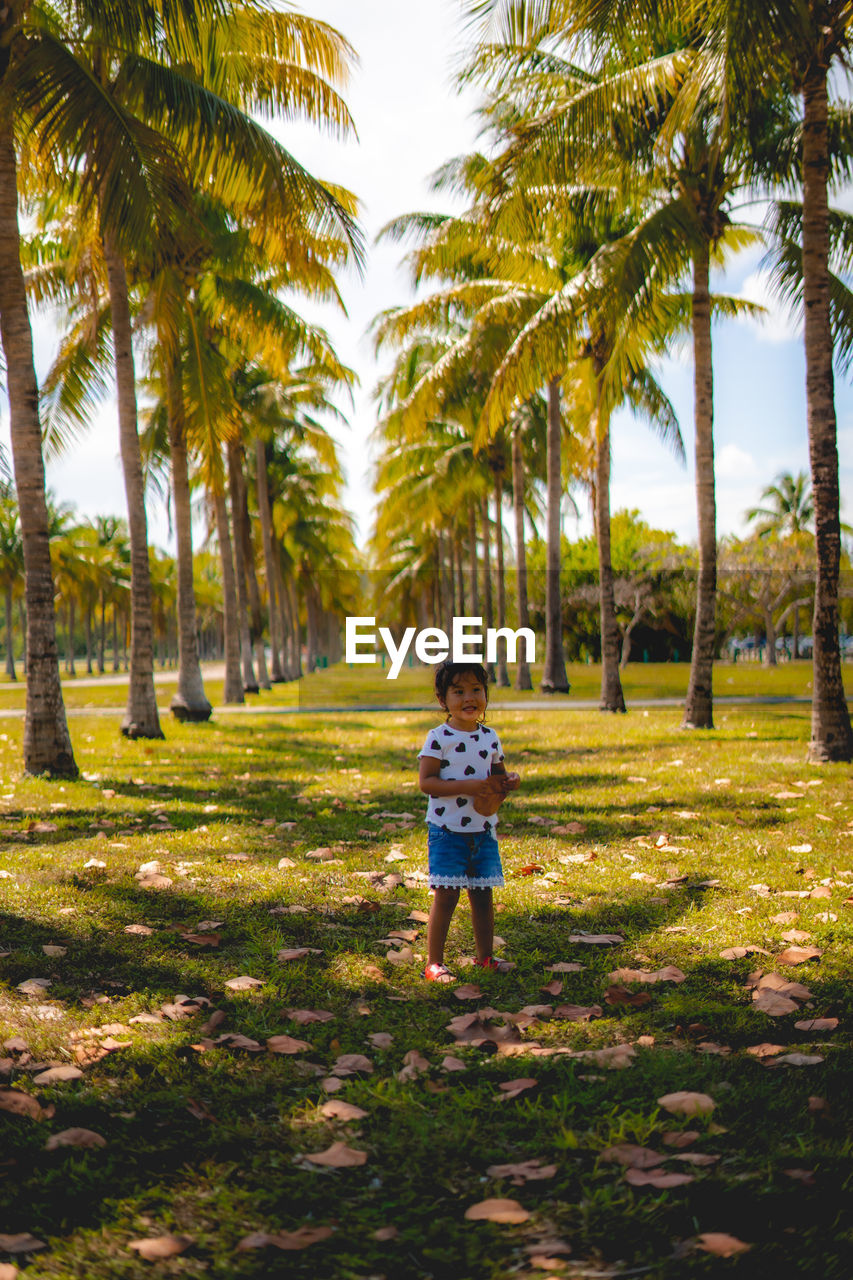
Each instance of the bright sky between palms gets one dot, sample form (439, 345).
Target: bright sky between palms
(410, 119)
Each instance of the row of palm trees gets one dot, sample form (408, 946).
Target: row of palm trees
(173, 230)
(621, 136)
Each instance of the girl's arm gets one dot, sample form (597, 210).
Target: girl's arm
(433, 785)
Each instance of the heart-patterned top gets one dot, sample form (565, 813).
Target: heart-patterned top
(462, 756)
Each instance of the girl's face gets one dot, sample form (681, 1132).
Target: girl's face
(465, 702)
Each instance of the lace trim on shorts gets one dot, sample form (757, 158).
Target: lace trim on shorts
(466, 882)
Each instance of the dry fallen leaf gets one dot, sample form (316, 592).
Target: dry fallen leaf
(414, 1064)
(565, 966)
(657, 1178)
(157, 1247)
(470, 991)
(596, 939)
(287, 1044)
(288, 1240)
(685, 1103)
(738, 953)
(817, 1024)
(774, 1004)
(523, 1171)
(340, 1110)
(632, 1156)
(297, 953)
(386, 1233)
(798, 1060)
(338, 1156)
(55, 1074)
(681, 1138)
(18, 1103)
(75, 1138)
(449, 1063)
(514, 1088)
(23, 1242)
(243, 983)
(304, 1016)
(617, 994)
(497, 1211)
(799, 955)
(141, 929)
(667, 974)
(720, 1244)
(381, 1039)
(577, 1012)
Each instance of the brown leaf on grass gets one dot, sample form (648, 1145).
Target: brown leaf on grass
(297, 953)
(505, 1211)
(765, 1050)
(469, 991)
(141, 929)
(569, 829)
(796, 935)
(632, 1156)
(776, 982)
(349, 1063)
(287, 1045)
(381, 1039)
(338, 1156)
(798, 955)
(154, 881)
(596, 939)
(668, 974)
(523, 1171)
(75, 1138)
(373, 972)
(302, 1238)
(784, 917)
(720, 1244)
(552, 988)
(681, 1138)
(774, 1004)
(616, 1058)
(806, 1176)
(420, 917)
(821, 891)
(414, 1064)
(16, 1044)
(23, 1242)
(532, 869)
(514, 1088)
(340, 1110)
(18, 1103)
(617, 994)
(449, 1063)
(304, 1016)
(54, 1075)
(203, 939)
(657, 1178)
(331, 1084)
(577, 1012)
(738, 953)
(565, 966)
(686, 1103)
(403, 955)
(386, 1233)
(243, 983)
(157, 1247)
(798, 1060)
(817, 1024)
(698, 1158)
(233, 1040)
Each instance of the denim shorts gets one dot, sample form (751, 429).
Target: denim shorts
(463, 859)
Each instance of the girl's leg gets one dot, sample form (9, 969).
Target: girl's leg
(483, 921)
(440, 914)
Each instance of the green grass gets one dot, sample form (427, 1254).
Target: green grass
(210, 1142)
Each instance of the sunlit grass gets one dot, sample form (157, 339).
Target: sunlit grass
(210, 1142)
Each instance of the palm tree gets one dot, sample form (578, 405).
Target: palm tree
(807, 45)
(11, 567)
(789, 508)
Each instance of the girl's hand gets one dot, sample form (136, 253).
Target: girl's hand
(511, 781)
(491, 794)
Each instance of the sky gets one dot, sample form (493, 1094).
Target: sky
(410, 120)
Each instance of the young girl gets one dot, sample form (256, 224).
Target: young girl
(462, 772)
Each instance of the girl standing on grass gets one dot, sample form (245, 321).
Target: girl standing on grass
(462, 771)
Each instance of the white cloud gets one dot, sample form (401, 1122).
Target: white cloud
(778, 323)
(733, 463)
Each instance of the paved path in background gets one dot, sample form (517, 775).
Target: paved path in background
(576, 704)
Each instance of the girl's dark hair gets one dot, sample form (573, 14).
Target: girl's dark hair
(446, 672)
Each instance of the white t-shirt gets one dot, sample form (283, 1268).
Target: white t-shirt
(462, 755)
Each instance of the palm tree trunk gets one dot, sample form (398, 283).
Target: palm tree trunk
(102, 638)
(522, 676)
(612, 697)
(141, 719)
(47, 744)
(256, 618)
(290, 601)
(502, 675)
(233, 679)
(554, 677)
(190, 701)
(22, 613)
(89, 645)
(472, 559)
(832, 735)
(487, 573)
(263, 496)
(235, 473)
(699, 705)
(72, 670)
(10, 636)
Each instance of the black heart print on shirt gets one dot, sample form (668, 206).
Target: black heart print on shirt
(464, 821)
(469, 770)
(461, 746)
(440, 811)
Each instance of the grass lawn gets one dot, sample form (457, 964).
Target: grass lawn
(677, 847)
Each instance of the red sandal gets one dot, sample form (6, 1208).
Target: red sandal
(439, 973)
(496, 966)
